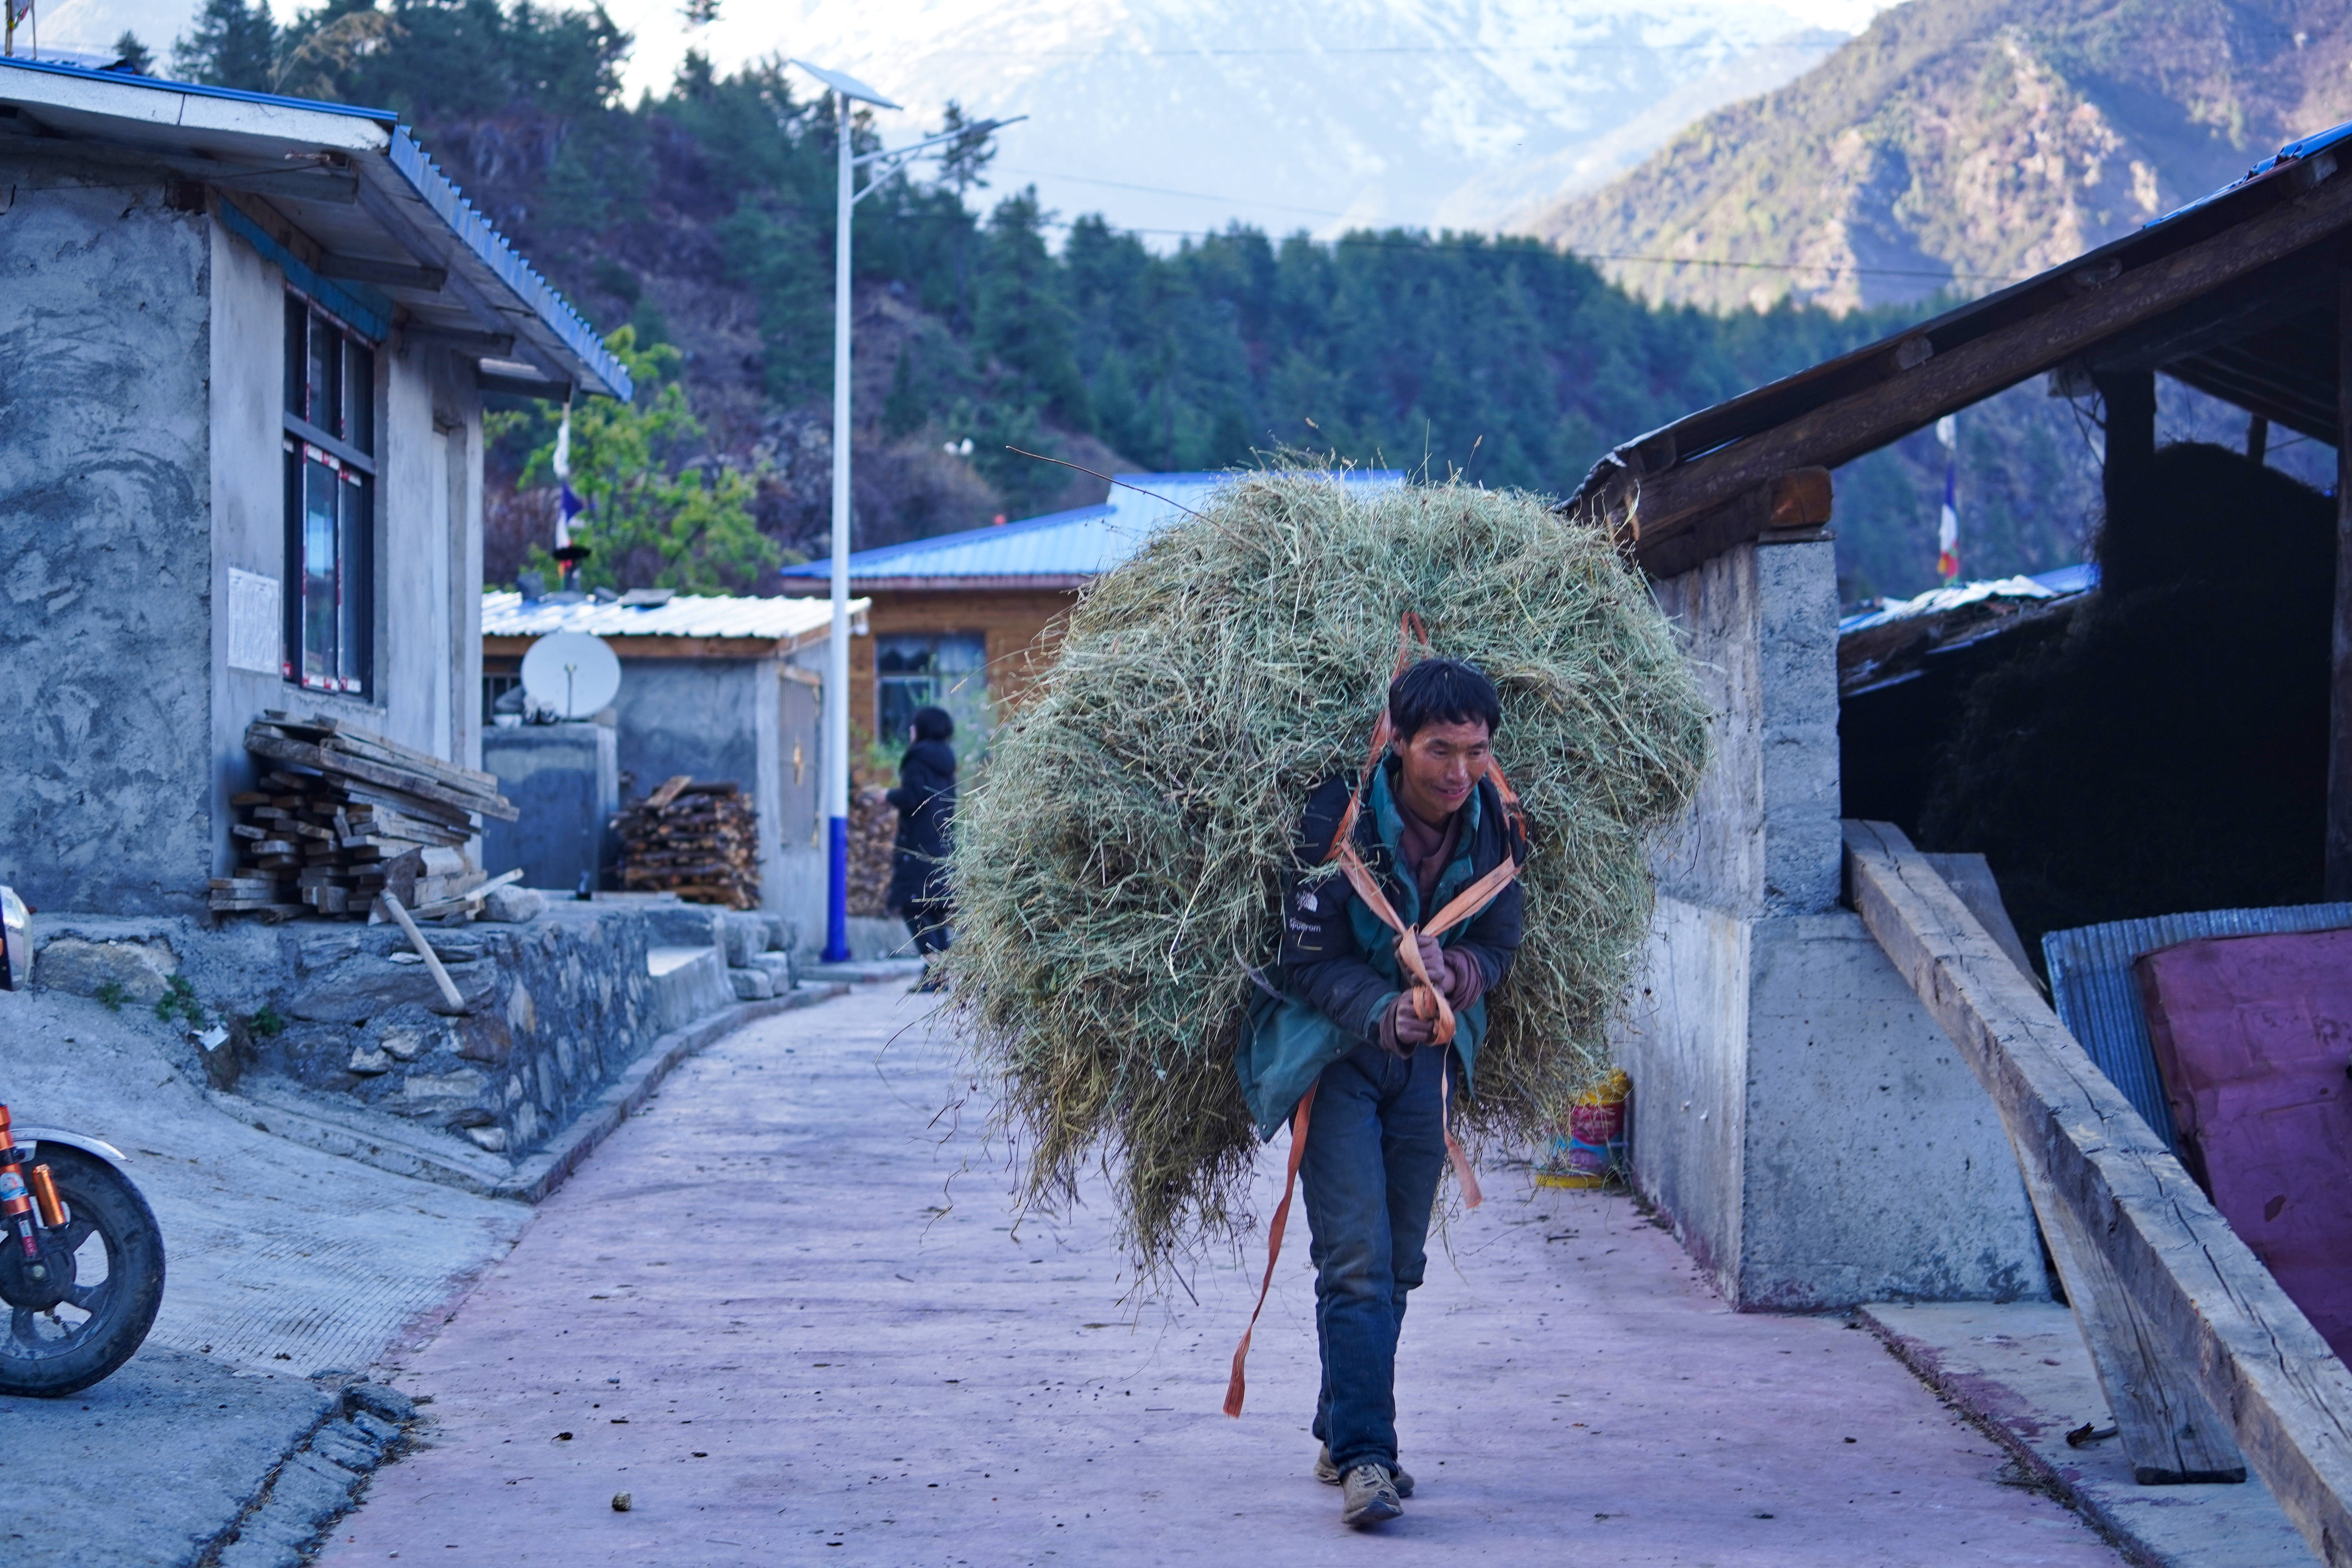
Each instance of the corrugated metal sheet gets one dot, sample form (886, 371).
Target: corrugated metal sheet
(1083, 542)
(572, 335)
(2055, 584)
(522, 278)
(709, 615)
(2091, 987)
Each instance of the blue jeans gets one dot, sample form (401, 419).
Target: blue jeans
(1375, 1147)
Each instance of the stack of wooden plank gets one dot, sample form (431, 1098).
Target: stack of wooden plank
(701, 841)
(338, 812)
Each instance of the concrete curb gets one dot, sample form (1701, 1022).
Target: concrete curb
(2025, 1383)
(867, 972)
(317, 1481)
(539, 1174)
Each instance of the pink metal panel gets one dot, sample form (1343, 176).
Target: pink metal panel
(2253, 1039)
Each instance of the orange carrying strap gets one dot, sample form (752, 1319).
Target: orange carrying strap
(1233, 1389)
(1428, 999)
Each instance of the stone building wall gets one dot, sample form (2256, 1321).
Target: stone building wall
(105, 546)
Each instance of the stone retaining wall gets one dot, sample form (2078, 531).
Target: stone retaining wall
(555, 1007)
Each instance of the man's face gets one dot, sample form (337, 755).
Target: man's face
(1441, 765)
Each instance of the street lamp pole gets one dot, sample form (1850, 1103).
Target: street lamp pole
(848, 90)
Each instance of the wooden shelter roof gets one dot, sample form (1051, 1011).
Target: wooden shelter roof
(2236, 294)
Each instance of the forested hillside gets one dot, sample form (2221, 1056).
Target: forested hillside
(703, 220)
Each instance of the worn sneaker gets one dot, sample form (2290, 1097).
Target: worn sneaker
(1328, 1473)
(1369, 1497)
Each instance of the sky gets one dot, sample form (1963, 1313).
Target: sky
(1176, 117)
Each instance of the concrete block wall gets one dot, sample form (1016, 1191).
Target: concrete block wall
(1810, 1131)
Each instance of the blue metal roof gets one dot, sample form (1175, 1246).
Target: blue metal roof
(1059, 546)
(431, 188)
(384, 117)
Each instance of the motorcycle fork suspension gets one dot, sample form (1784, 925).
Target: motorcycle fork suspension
(17, 1203)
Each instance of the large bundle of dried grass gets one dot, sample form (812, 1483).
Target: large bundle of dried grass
(1117, 868)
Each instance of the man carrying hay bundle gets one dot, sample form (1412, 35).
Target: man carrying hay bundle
(1129, 871)
(1433, 834)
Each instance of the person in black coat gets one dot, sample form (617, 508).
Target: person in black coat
(925, 798)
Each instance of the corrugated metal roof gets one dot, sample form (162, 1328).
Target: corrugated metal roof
(2055, 584)
(252, 128)
(2091, 987)
(1076, 544)
(438, 193)
(708, 616)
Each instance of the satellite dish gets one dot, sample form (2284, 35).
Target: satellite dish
(570, 675)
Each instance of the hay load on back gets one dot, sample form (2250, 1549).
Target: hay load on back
(1117, 869)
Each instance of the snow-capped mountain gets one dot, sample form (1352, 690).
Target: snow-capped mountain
(1180, 116)
(1176, 116)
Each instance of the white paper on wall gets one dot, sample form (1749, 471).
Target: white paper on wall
(253, 617)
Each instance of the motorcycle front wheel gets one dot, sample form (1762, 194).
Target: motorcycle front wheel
(62, 1347)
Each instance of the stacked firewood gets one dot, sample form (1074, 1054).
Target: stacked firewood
(701, 841)
(339, 814)
(873, 833)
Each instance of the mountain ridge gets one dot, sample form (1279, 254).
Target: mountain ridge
(1958, 145)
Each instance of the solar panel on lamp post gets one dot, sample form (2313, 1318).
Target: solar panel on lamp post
(848, 90)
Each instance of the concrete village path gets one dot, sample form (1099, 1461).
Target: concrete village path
(749, 1312)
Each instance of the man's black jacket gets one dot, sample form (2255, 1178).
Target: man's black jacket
(1324, 950)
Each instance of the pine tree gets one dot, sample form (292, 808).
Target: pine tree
(902, 410)
(133, 56)
(233, 44)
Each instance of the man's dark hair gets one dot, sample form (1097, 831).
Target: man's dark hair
(1442, 692)
(933, 724)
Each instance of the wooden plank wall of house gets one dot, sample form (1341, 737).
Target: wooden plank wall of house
(1018, 624)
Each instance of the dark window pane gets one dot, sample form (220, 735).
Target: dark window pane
(326, 371)
(897, 698)
(298, 355)
(359, 396)
(322, 534)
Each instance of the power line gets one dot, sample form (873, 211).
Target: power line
(1601, 44)
(1587, 255)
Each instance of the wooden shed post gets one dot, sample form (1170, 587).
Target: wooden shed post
(2128, 398)
(2339, 739)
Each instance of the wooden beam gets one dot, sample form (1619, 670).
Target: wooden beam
(493, 345)
(399, 274)
(2207, 1310)
(2126, 485)
(389, 211)
(2338, 870)
(1847, 428)
(2168, 1430)
(1794, 505)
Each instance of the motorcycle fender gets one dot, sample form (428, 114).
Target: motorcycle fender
(33, 1136)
